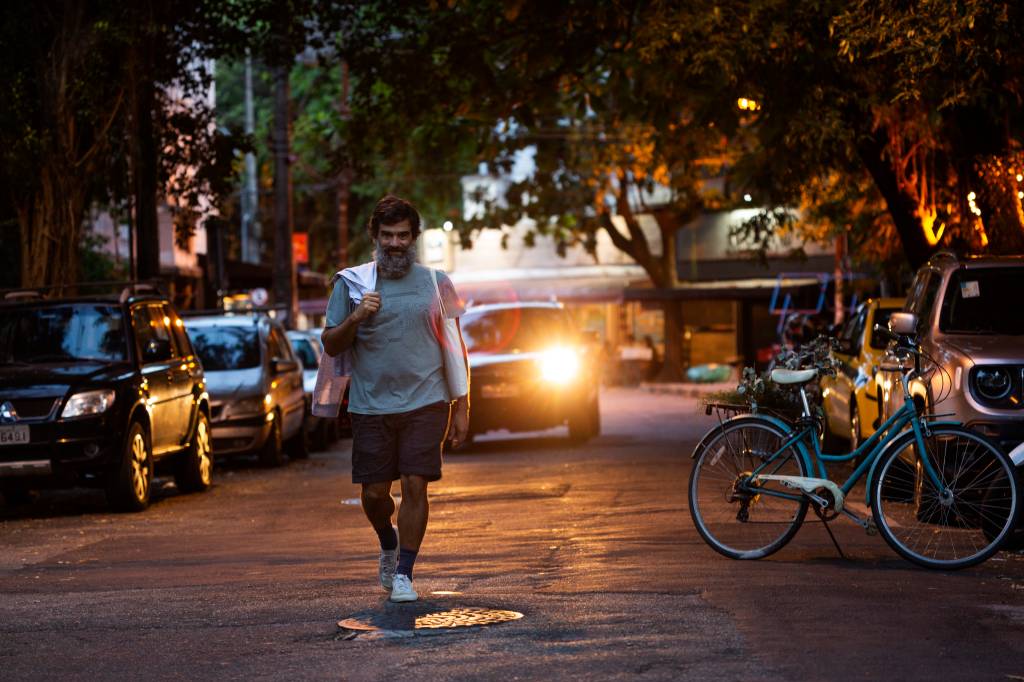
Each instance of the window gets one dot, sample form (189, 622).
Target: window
(227, 347)
(152, 333)
(85, 331)
(980, 300)
(180, 336)
(304, 350)
(279, 346)
(882, 315)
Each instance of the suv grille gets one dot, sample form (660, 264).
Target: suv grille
(33, 408)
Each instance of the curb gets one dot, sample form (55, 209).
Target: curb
(687, 390)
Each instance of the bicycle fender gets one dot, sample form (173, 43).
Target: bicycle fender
(774, 421)
(899, 440)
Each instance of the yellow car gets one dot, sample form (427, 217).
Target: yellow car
(850, 399)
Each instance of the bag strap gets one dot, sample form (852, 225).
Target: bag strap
(437, 291)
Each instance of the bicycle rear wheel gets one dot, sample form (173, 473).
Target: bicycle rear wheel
(735, 517)
(958, 524)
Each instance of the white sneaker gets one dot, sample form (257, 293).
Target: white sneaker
(402, 590)
(387, 565)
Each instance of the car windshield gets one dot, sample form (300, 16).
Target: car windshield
(57, 333)
(304, 350)
(222, 348)
(510, 330)
(980, 300)
(880, 340)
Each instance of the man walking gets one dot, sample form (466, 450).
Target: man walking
(386, 316)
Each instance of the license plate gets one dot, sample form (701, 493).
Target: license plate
(499, 391)
(14, 435)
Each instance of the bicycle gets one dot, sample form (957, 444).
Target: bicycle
(941, 494)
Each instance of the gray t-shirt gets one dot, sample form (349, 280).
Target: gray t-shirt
(396, 355)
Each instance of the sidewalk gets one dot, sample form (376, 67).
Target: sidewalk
(689, 390)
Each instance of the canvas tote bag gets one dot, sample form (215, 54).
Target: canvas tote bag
(456, 373)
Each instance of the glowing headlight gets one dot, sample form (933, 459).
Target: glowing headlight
(559, 365)
(88, 402)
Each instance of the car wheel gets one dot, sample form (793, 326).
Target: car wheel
(298, 446)
(195, 471)
(130, 484)
(272, 452)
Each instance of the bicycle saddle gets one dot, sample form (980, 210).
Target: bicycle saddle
(793, 376)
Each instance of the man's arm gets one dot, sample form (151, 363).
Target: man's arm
(338, 339)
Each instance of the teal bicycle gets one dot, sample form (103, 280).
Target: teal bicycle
(941, 495)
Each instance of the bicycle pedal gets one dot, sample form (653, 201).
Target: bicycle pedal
(871, 528)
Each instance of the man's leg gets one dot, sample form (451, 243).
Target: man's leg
(412, 516)
(378, 505)
(412, 524)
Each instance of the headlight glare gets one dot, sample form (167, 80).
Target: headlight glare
(559, 365)
(88, 402)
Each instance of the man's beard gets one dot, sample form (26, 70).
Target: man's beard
(394, 263)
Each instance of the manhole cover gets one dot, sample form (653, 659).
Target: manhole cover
(426, 618)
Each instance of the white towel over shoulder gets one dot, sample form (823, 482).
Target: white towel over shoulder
(332, 375)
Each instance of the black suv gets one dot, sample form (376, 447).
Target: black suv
(100, 391)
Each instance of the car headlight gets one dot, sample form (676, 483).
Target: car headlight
(559, 365)
(993, 383)
(88, 402)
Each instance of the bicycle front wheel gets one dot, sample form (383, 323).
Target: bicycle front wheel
(957, 524)
(737, 517)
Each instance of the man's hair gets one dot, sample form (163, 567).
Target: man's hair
(392, 210)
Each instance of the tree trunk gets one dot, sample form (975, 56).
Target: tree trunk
(902, 208)
(144, 177)
(51, 229)
(285, 289)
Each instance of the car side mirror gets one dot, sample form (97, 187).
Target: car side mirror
(283, 366)
(904, 324)
(156, 350)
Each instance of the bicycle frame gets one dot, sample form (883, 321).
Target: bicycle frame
(872, 448)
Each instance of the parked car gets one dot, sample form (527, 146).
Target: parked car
(851, 398)
(968, 326)
(530, 370)
(255, 384)
(100, 391)
(309, 351)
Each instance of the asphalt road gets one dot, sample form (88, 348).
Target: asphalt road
(593, 545)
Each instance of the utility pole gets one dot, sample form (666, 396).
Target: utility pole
(250, 199)
(344, 178)
(285, 281)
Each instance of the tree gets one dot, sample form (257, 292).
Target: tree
(919, 96)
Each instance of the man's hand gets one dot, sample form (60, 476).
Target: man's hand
(460, 422)
(367, 307)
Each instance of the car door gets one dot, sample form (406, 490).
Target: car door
(155, 350)
(181, 375)
(287, 385)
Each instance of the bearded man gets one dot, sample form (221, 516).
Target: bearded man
(399, 400)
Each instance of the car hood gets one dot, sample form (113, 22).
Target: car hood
(984, 349)
(50, 379)
(480, 360)
(235, 383)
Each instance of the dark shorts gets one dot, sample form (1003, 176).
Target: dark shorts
(386, 446)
